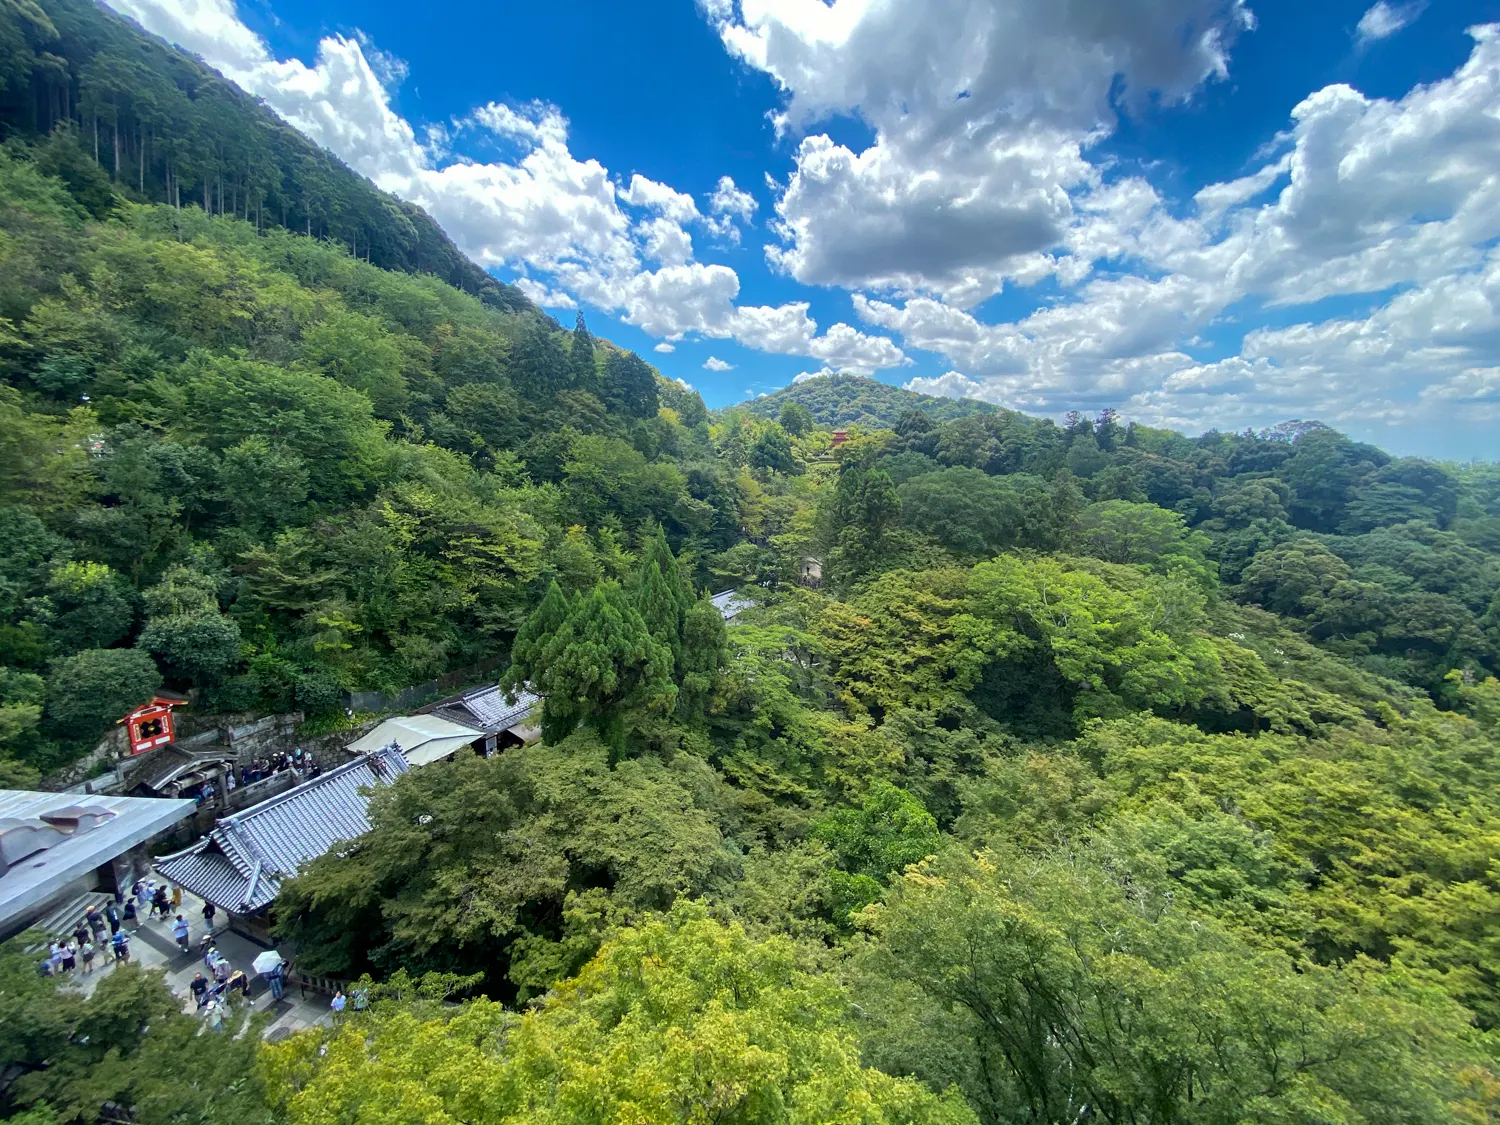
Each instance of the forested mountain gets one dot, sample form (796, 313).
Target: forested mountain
(853, 400)
(242, 460)
(166, 128)
(1102, 773)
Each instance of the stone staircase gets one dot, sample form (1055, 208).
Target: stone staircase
(59, 922)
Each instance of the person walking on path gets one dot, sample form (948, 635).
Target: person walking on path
(121, 944)
(209, 910)
(221, 970)
(159, 905)
(176, 897)
(81, 933)
(69, 957)
(132, 919)
(276, 978)
(86, 951)
(199, 989)
(337, 1004)
(215, 1015)
(180, 932)
(111, 913)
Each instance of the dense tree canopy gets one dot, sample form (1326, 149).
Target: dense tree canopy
(1045, 773)
(281, 472)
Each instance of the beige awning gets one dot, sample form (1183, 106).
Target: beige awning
(422, 738)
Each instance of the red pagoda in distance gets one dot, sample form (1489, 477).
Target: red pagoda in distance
(150, 726)
(839, 437)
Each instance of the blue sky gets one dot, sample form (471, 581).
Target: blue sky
(1206, 213)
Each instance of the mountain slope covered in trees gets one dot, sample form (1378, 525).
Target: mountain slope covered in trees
(853, 400)
(246, 462)
(1102, 773)
(166, 128)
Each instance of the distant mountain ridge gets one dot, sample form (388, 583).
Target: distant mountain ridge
(854, 400)
(167, 128)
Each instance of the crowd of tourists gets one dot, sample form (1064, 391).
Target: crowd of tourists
(304, 765)
(102, 935)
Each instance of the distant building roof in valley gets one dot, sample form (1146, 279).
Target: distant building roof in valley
(731, 603)
(421, 738)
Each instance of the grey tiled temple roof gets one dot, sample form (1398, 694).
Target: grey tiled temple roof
(486, 709)
(240, 864)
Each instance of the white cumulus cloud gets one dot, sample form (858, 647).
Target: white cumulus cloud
(1392, 203)
(564, 223)
(981, 110)
(731, 201)
(714, 363)
(954, 384)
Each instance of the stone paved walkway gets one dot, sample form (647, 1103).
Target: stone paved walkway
(152, 946)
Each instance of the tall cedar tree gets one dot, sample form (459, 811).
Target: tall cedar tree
(705, 651)
(602, 668)
(661, 592)
(631, 385)
(533, 635)
(581, 358)
(542, 368)
(659, 608)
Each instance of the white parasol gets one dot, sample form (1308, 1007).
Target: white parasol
(265, 962)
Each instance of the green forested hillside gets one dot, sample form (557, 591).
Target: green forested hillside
(853, 400)
(166, 128)
(1104, 773)
(266, 471)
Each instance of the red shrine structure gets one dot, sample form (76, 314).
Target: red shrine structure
(839, 437)
(150, 726)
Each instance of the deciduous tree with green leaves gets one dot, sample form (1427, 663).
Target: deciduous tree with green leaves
(1063, 994)
(681, 1019)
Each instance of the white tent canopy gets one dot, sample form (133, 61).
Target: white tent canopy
(422, 738)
